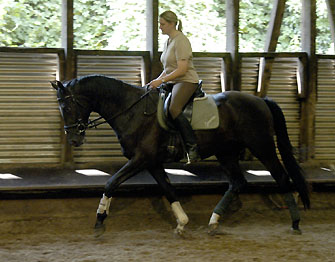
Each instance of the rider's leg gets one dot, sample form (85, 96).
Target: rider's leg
(181, 93)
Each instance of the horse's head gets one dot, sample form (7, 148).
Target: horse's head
(73, 111)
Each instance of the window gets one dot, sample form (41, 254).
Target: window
(34, 23)
(290, 32)
(110, 24)
(324, 44)
(253, 24)
(204, 23)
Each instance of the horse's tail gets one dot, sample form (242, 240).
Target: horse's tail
(285, 149)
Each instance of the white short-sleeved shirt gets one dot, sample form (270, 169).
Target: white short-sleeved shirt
(178, 49)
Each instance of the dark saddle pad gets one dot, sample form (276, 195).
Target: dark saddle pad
(200, 110)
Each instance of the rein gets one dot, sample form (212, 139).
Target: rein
(92, 124)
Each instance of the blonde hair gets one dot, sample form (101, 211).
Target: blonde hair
(171, 17)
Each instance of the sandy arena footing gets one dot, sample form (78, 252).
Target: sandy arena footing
(141, 229)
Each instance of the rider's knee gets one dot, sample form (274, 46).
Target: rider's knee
(174, 112)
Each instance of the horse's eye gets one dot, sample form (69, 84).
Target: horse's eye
(81, 128)
(66, 109)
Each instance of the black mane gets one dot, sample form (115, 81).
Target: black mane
(107, 81)
(99, 90)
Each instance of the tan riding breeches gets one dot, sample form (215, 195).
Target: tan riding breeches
(181, 93)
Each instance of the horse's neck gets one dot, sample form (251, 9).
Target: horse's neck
(114, 97)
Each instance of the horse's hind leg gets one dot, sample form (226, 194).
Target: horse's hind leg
(163, 181)
(266, 153)
(279, 174)
(236, 183)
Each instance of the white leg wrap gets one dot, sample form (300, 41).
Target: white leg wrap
(104, 205)
(179, 213)
(214, 219)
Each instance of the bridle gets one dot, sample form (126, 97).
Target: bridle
(80, 126)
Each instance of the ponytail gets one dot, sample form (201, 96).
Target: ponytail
(180, 25)
(171, 17)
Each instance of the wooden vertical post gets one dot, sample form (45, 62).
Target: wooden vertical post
(308, 37)
(232, 11)
(302, 77)
(265, 65)
(70, 70)
(227, 67)
(331, 15)
(67, 38)
(152, 39)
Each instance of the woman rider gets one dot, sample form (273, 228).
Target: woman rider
(179, 71)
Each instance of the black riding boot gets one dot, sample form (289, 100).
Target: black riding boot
(189, 138)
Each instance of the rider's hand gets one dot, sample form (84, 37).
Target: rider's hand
(155, 83)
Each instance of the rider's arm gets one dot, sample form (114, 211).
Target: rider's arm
(181, 70)
(162, 75)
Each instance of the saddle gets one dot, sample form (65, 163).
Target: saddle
(201, 110)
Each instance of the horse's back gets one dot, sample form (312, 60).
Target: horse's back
(237, 97)
(242, 102)
(243, 112)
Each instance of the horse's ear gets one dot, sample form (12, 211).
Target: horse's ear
(57, 85)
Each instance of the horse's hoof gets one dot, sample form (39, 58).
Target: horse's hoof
(296, 231)
(99, 230)
(180, 231)
(213, 229)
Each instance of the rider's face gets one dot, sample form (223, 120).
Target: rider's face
(165, 26)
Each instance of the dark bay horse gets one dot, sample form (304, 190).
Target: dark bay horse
(246, 121)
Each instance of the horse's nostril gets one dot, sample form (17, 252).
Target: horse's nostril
(73, 143)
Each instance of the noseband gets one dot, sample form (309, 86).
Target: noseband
(80, 126)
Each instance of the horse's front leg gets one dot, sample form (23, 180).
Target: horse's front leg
(163, 181)
(131, 168)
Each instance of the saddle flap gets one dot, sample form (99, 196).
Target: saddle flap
(161, 113)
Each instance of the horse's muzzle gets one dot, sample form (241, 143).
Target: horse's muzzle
(76, 142)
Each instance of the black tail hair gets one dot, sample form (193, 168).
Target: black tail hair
(285, 149)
